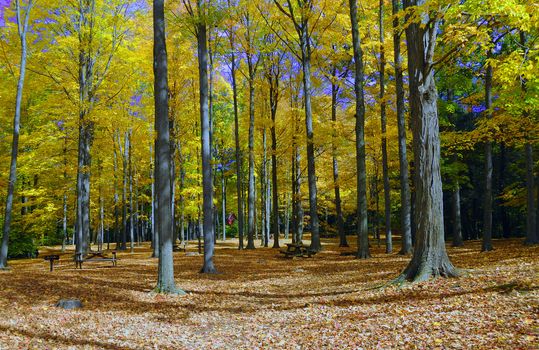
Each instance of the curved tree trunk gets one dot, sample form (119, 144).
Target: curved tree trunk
(165, 274)
(22, 24)
(361, 171)
(430, 257)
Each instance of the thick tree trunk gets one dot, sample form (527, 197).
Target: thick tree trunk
(336, 184)
(207, 184)
(487, 206)
(406, 243)
(22, 24)
(361, 175)
(385, 166)
(165, 275)
(430, 257)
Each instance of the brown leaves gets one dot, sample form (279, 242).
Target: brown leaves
(325, 302)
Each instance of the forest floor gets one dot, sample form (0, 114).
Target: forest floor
(263, 301)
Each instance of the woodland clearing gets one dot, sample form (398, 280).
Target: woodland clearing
(261, 300)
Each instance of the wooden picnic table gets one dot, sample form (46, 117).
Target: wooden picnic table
(94, 257)
(300, 250)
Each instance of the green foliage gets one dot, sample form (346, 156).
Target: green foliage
(21, 245)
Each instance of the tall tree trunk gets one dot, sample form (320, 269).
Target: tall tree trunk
(131, 211)
(385, 166)
(311, 167)
(86, 11)
(207, 181)
(116, 197)
(22, 24)
(362, 220)
(430, 257)
(457, 228)
(239, 193)
(155, 233)
(124, 152)
(406, 243)
(165, 275)
(487, 206)
(531, 234)
(336, 184)
(273, 78)
(251, 191)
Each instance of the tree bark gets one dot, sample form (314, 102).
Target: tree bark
(273, 79)
(487, 206)
(457, 228)
(165, 275)
(385, 166)
(429, 257)
(406, 243)
(207, 180)
(251, 189)
(361, 168)
(239, 176)
(22, 24)
(336, 184)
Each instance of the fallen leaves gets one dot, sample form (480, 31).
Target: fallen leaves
(262, 301)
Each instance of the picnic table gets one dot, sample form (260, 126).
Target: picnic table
(297, 250)
(94, 257)
(51, 259)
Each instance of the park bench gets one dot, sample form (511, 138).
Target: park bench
(51, 259)
(94, 257)
(297, 250)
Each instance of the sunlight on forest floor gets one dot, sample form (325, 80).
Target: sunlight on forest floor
(261, 300)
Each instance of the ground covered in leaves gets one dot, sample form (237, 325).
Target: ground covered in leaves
(263, 301)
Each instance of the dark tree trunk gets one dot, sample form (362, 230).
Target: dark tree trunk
(165, 275)
(385, 167)
(131, 208)
(22, 23)
(429, 257)
(273, 79)
(125, 155)
(531, 234)
(207, 185)
(336, 184)
(487, 206)
(406, 243)
(457, 228)
(361, 176)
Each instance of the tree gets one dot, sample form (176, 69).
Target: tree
(406, 246)
(429, 257)
(361, 174)
(165, 274)
(23, 19)
(300, 16)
